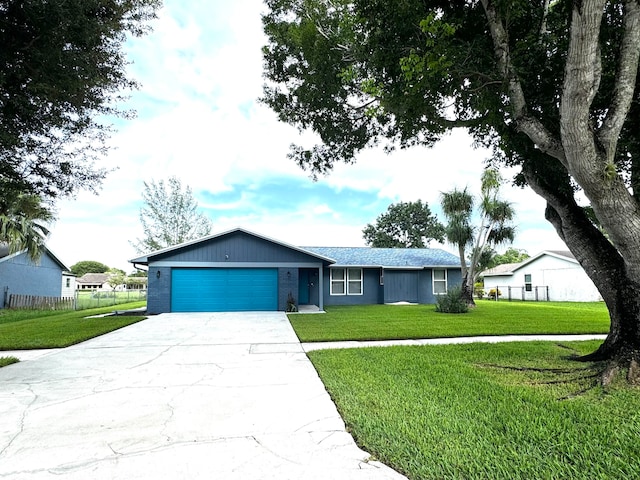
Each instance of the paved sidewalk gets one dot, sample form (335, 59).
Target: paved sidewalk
(177, 396)
(309, 347)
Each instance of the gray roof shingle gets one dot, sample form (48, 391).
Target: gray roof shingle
(387, 257)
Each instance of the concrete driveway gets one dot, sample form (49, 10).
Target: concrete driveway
(212, 395)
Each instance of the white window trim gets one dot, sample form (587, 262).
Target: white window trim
(360, 281)
(345, 281)
(332, 281)
(433, 281)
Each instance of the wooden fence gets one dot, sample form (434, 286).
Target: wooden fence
(41, 303)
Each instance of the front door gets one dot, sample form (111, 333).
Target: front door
(303, 287)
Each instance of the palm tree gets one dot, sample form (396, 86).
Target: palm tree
(495, 225)
(23, 220)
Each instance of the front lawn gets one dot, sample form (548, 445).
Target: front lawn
(389, 322)
(485, 411)
(28, 329)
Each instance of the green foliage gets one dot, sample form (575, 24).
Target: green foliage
(494, 293)
(478, 290)
(25, 330)
(391, 322)
(404, 225)
(501, 411)
(511, 255)
(496, 216)
(170, 216)
(509, 72)
(452, 302)
(24, 222)
(88, 266)
(62, 71)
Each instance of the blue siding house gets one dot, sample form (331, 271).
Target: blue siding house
(20, 276)
(242, 271)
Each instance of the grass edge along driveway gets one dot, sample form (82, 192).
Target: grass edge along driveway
(28, 329)
(394, 322)
(499, 411)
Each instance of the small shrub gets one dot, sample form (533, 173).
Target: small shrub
(291, 303)
(493, 292)
(452, 302)
(478, 290)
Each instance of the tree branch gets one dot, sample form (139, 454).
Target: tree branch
(626, 84)
(525, 123)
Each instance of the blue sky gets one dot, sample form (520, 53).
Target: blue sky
(198, 118)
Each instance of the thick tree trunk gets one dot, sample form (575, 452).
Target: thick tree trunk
(601, 261)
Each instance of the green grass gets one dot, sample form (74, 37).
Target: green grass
(4, 361)
(387, 322)
(28, 329)
(86, 299)
(455, 411)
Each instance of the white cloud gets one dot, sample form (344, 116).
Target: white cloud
(201, 74)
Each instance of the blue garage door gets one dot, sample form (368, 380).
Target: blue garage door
(224, 289)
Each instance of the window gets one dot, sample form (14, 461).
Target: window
(527, 282)
(354, 287)
(68, 283)
(346, 281)
(337, 281)
(439, 282)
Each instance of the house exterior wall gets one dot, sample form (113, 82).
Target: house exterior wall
(68, 286)
(567, 281)
(233, 248)
(295, 269)
(401, 286)
(20, 276)
(287, 283)
(236, 250)
(372, 291)
(159, 290)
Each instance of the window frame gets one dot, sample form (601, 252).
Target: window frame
(528, 285)
(439, 280)
(346, 281)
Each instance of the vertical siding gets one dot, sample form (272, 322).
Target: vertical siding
(401, 286)
(237, 247)
(159, 290)
(19, 276)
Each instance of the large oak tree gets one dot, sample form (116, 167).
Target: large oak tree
(551, 85)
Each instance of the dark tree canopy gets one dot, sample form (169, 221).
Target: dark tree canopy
(62, 70)
(88, 266)
(551, 86)
(404, 225)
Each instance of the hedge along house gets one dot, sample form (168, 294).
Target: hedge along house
(242, 271)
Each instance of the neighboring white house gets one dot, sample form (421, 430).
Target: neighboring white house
(93, 281)
(550, 275)
(68, 285)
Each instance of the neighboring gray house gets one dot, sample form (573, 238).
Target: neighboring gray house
(20, 276)
(243, 271)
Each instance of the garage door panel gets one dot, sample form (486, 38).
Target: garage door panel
(220, 289)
